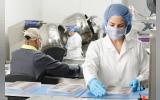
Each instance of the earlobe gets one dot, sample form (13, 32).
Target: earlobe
(37, 41)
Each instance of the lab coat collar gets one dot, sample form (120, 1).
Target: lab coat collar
(127, 44)
(28, 47)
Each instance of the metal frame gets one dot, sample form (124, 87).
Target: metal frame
(2, 49)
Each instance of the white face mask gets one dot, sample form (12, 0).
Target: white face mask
(115, 33)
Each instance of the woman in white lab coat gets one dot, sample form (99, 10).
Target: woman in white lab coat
(74, 43)
(115, 60)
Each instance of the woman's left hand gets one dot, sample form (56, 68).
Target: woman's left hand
(136, 86)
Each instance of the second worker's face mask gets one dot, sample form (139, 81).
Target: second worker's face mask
(115, 33)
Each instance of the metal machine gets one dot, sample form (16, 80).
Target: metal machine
(84, 23)
(56, 34)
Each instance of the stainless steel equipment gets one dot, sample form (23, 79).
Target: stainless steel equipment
(56, 34)
(84, 23)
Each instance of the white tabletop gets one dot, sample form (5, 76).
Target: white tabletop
(68, 98)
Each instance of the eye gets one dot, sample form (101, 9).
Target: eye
(111, 24)
(121, 26)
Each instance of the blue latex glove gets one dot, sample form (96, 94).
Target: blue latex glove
(96, 87)
(135, 86)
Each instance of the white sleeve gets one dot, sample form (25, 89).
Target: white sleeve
(143, 64)
(90, 66)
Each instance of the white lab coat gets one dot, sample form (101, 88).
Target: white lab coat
(104, 63)
(74, 46)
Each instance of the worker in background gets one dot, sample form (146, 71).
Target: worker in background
(115, 60)
(28, 60)
(74, 43)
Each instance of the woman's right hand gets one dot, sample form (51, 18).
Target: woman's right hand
(96, 87)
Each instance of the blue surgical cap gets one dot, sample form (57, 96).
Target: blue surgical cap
(72, 28)
(118, 10)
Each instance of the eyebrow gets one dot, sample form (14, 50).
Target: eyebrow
(118, 24)
(111, 23)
